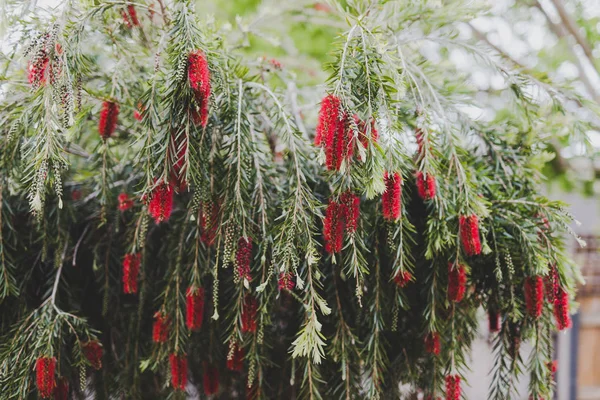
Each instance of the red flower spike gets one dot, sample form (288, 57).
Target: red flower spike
(210, 380)
(333, 133)
(36, 71)
(432, 343)
(426, 186)
(199, 79)
(561, 309)
(161, 203)
(133, 15)
(108, 119)
(244, 257)
(328, 119)
(494, 320)
(391, 199)
(61, 391)
(160, 328)
(249, 310)
(131, 270)
(453, 390)
(334, 226)
(402, 278)
(209, 222)
(179, 371)
(551, 284)
(534, 295)
(126, 20)
(125, 203)
(350, 210)
(194, 308)
(286, 281)
(457, 282)
(44, 376)
(235, 360)
(76, 194)
(93, 351)
(469, 234)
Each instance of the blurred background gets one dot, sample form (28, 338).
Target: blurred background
(557, 42)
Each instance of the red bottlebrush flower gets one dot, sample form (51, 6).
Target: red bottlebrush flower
(534, 295)
(334, 225)
(194, 308)
(126, 20)
(133, 15)
(391, 199)
(350, 210)
(551, 283)
(286, 281)
(329, 117)
(160, 328)
(244, 258)
(363, 136)
(125, 203)
(131, 270)
(138, 113)
(494, 320)
(93, 351)
(552, 367)
(37, 70)
(76, 194)
(426, 186)
(199, 78)
(453, 390)
(108, 119)
(469, 234)
(457, 282)
(561, 309)
(210, 380)
(161, 203)
(176, 154)
(235, 358)
(179, 371)
(61, 391)
(249, 310)
(44, 376)
(402, 278)
(432, 343)
(209, 222)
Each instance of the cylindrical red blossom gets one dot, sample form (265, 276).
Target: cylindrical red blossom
(125, 203)
(339, 146)
(286, 281)
(432, 343)
(235, 358)
(194, 308)
(199, 79)
(44, 376)
(126, 19)
(551, 283)
(391, 199)
(561, 309)
(244, 257)
(494, 318)
(179, 370)
(108, 119)
(160, 328)
(209, 222)
(249, 311)
(453, 390)
(469, 234)
(133, 15)
(334, 226)
(37, 70)
(131, 270)
(457, 282)
(93, 351)
(426, 185)
(161, 203)
(61, 391)
(210, 380)
(402, 278)
(350, 210)
(534, 295)
(329, 117)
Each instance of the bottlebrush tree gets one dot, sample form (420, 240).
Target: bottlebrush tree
(172, 225)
